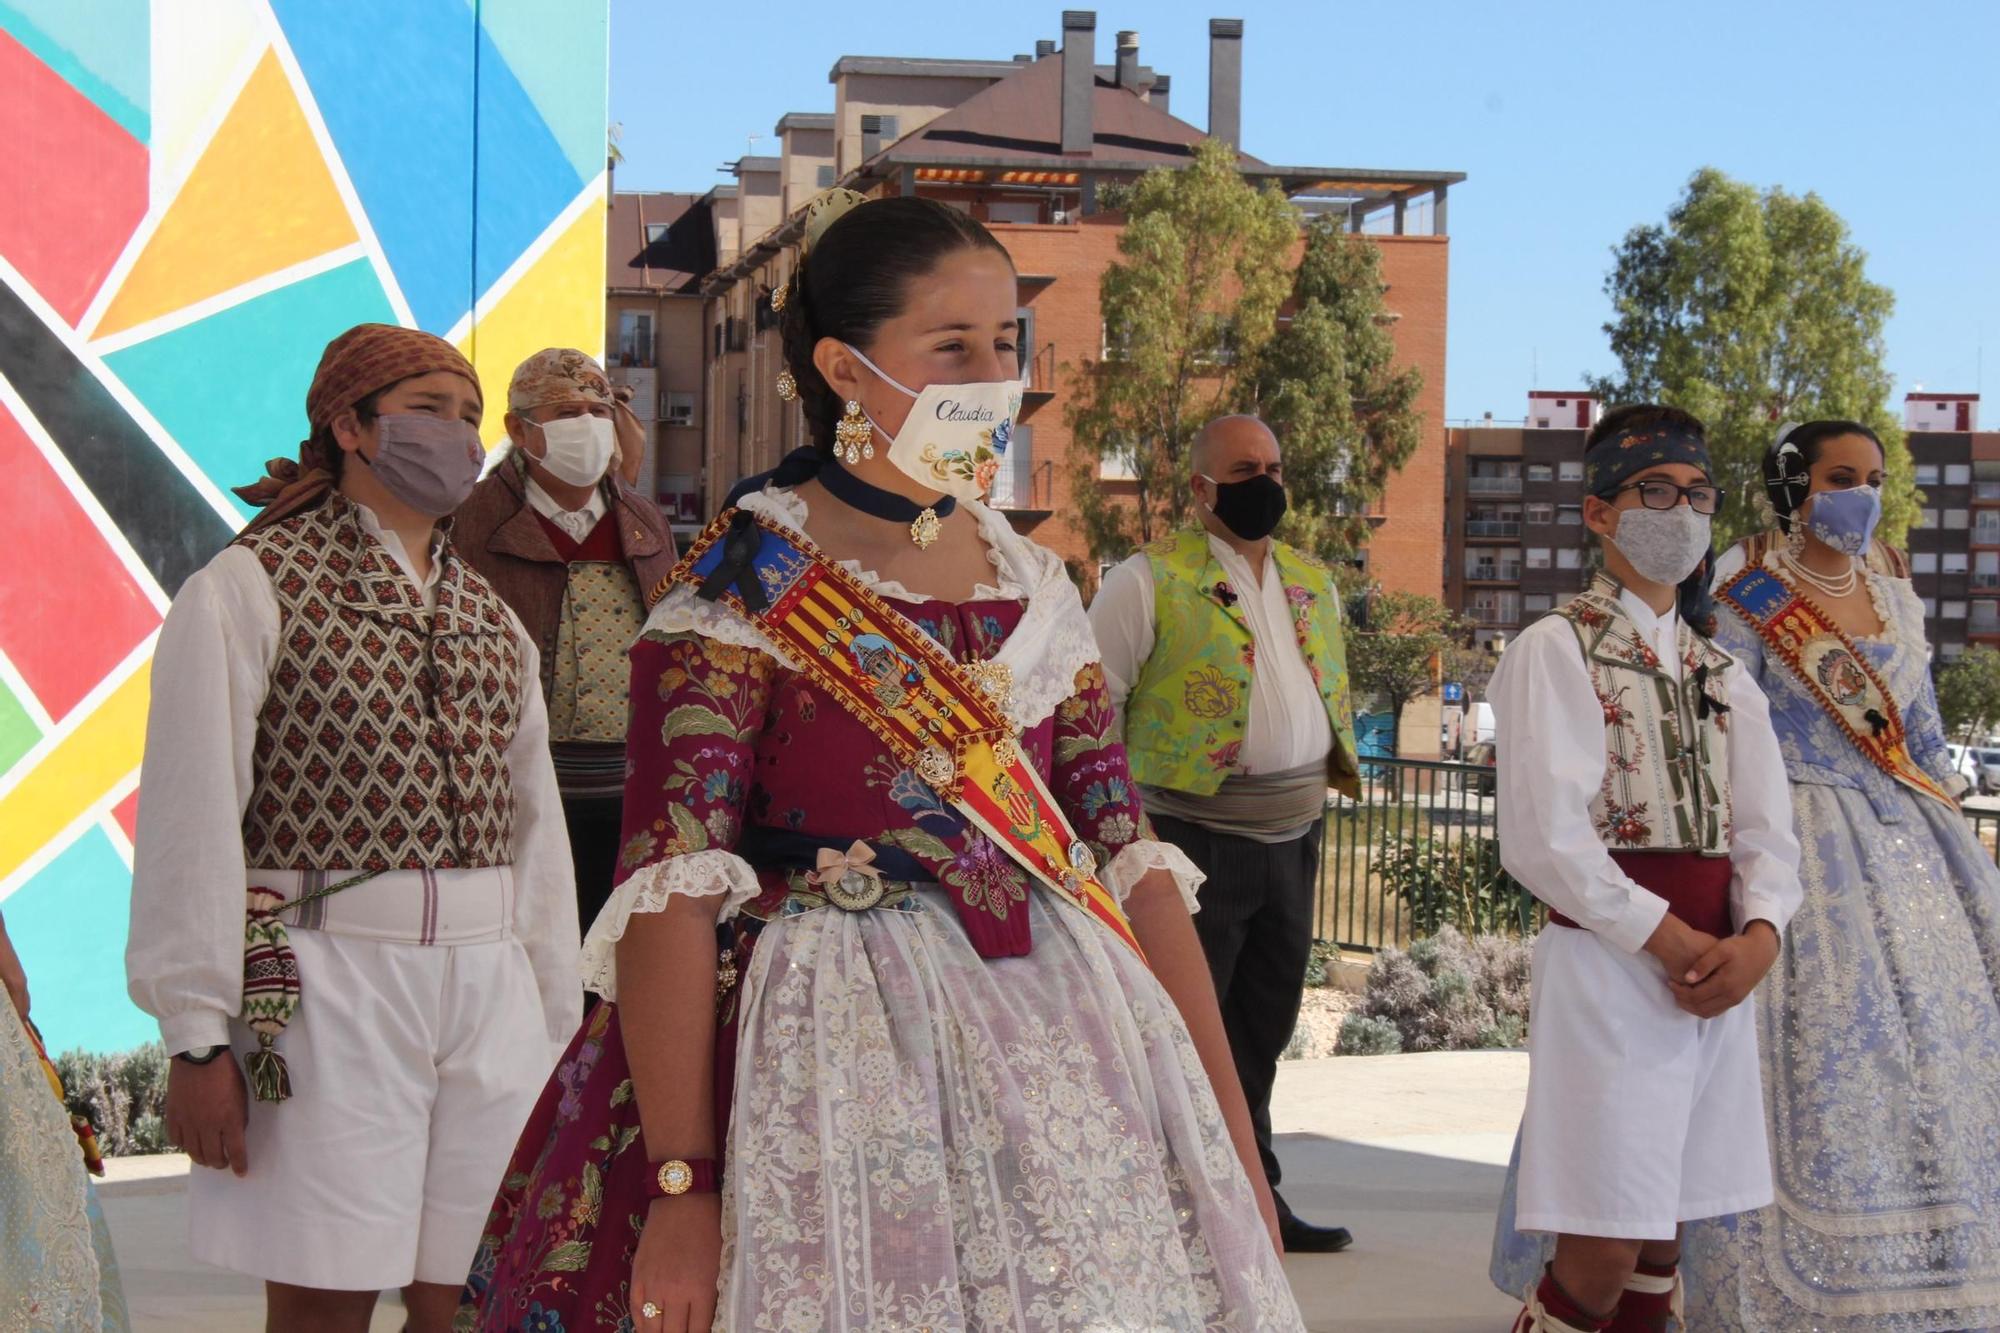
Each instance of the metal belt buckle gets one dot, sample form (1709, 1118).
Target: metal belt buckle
(854, 891)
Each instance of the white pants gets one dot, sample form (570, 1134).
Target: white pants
(1640, 1116)
(413, 1069)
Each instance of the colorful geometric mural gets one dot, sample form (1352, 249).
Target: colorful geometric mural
(195, 203)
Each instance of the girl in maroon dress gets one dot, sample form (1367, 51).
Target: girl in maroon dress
(968, 1103)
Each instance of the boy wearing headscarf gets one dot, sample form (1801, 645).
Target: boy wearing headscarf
(346, 723)
(574, 550)
(1642, 797)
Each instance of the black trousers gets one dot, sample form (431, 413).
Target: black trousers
(1255, 925)
(595, 826)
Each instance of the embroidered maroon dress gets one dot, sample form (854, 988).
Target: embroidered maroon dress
(970, 1106)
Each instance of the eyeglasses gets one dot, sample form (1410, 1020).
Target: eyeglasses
(1703, 498)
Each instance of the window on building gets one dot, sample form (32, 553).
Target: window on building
(1014, 210)
(1537, 601)
(1928, 519)
(1958, 474)
(1952, 651)
(1541, 513)
(1569, 558)
(1541, 472)
(677, 407)
(1539, 557)
(1986, 528)
(1572, 469)
(823, 178)
(1952, 610)
(1014, 484)
(1927, 474)
(1957, 519)
(635, 338)
(655, 231)
(1117, 466)
(1953, 562)
(1569, 515)
(1985, 617)
(1923, 562)
(1930, 608)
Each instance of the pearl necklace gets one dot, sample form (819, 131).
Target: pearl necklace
(1840, 586)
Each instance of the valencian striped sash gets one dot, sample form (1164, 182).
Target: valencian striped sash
(943, 719)
(1837, 676)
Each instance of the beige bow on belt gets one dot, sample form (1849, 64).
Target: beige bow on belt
(833, 865)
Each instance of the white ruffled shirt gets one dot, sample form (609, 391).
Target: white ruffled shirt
(1052, 642)
(577, 523)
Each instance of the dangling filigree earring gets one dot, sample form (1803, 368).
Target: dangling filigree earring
(788, 388)
(853, 434)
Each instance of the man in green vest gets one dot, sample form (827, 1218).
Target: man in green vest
(1223, 651)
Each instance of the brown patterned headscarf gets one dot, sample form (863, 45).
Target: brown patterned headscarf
(558, 375)
(366, 358)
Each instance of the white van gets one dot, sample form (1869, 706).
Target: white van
(1478, 725)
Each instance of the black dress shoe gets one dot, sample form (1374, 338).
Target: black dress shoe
(1302, 1237)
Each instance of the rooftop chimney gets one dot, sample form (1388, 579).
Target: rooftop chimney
(1225, 80)
(1044, 48)
(1162, 86)
(1079, 81)
(1128, 61)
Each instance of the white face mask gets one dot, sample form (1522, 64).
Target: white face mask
(956, 434)
(578, 450)
(1664, 545)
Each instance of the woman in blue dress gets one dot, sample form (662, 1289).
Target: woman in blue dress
(1879, 1028)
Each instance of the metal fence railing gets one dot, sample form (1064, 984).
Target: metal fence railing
(1420, 849)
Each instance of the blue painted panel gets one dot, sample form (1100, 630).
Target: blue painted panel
(229, 426)
(68, 924)
(557, 50)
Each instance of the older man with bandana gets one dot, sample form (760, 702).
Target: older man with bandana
(346, 723)
(568, 542)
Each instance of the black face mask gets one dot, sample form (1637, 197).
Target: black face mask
(1250, 508)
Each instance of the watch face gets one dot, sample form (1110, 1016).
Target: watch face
(676, 1177)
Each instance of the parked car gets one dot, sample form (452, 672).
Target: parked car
(1978, 764)
(1481, 783)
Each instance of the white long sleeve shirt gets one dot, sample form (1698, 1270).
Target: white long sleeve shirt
(1287, 727)
(1549, 734)
(576, 522)
(184, 961)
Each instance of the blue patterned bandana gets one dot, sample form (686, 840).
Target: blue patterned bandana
(1616, 459)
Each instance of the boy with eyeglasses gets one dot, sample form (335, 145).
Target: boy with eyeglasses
(1642, 798)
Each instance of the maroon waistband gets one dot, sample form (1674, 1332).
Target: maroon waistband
(1696, 887)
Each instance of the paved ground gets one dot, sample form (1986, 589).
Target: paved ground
(1407, 1150)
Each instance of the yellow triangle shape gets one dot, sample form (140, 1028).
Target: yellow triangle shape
(558, 302)
(259, 199)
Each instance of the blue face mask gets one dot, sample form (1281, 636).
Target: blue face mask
(1845, 520)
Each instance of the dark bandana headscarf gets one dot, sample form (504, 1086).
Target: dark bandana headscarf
(360, 361)
(1616, 459)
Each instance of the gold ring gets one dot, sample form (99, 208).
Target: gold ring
(651, 1311)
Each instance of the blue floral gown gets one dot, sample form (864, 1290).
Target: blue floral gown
(1879, 1037)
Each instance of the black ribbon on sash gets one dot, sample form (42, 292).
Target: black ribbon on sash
(1705, 702)
(738, 567)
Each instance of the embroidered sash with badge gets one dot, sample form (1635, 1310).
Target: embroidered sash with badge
(944, 719)
(1834, 672)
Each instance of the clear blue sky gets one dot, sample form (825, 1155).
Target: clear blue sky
(1573, 122)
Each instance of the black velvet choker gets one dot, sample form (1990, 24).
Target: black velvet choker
(876, 502)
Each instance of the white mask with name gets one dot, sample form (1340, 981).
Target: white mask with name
(956, 434)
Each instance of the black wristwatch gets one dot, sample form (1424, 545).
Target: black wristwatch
(201, 1055)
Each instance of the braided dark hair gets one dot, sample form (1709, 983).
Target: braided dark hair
(1788, 463)
(858, 277)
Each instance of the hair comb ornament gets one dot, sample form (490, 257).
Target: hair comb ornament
(826, 210)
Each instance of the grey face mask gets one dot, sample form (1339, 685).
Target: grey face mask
(1664, 545)
(427, 462)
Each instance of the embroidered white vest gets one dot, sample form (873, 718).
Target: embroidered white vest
(1666, 742)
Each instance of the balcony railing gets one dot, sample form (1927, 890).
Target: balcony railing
(1986, 534)
(1986, 490)
(1040, 372)
(1495, 615)
(1493, 485)
(1482, 527)
(1493, 574)
(1986, 579)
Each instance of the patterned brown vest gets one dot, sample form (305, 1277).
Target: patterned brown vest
(382, 743)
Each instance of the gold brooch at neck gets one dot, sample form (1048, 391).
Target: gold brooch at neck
(924, 528)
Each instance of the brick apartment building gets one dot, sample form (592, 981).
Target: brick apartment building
(1515, 544)
(1955, 552)
(1025, 145)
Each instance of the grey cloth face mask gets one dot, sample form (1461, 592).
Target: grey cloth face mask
(429, 463)
(1664, 545)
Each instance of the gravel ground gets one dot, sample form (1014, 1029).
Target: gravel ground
(1318, 1030)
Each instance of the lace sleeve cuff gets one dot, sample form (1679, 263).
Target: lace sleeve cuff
(1136, 858)
(695, 875)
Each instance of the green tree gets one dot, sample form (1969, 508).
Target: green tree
(1205, 263)
(1751, 310)
(1395, 655)
(1968, 694)
(1328, 385)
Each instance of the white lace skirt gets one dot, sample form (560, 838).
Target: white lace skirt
(923, 1138)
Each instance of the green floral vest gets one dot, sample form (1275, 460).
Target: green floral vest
(1187, 714)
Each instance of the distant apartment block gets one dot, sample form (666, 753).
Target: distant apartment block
(1955, 550)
